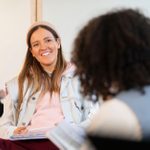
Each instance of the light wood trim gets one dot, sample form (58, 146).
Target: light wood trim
(36, 10)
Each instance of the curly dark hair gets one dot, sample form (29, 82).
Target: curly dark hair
(113, 49)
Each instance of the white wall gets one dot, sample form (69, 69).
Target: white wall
(15, 17)
(70, 15)
(67, 15)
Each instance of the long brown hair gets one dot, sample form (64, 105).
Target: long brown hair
(33, 73)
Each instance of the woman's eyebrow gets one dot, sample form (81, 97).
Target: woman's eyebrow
(34, 42)
(48, 37)
(45, 38)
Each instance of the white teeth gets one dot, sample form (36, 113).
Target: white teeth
(45, 54)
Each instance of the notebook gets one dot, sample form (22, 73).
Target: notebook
(38, 133)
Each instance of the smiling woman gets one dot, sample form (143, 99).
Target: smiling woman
(44, 47)
(45, 93)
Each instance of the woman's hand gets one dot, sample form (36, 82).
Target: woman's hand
(20, 130)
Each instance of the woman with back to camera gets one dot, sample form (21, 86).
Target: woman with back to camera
(45, 93)
(112, 55)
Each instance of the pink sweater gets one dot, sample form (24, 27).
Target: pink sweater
(48, 110)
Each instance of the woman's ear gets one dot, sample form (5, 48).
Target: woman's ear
(30, 49)
(31, 52)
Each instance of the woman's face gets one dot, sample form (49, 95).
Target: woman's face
(44, 47)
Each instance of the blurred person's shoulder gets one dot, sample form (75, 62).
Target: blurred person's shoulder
(116, 119)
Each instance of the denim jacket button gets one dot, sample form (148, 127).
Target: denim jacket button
(33, 98)
(23, 123)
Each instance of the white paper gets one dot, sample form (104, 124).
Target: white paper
(66, 136)
(37, 133)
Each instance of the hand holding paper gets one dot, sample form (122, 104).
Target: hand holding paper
(20, 130)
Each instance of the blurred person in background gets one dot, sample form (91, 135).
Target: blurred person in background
(112, 55)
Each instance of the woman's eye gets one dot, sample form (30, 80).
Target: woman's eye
(48, 40)
(35, 45)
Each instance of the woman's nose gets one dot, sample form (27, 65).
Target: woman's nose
(43, 46)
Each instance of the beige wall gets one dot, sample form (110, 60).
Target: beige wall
(15, 18)
(67, 15)
(70, 15)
